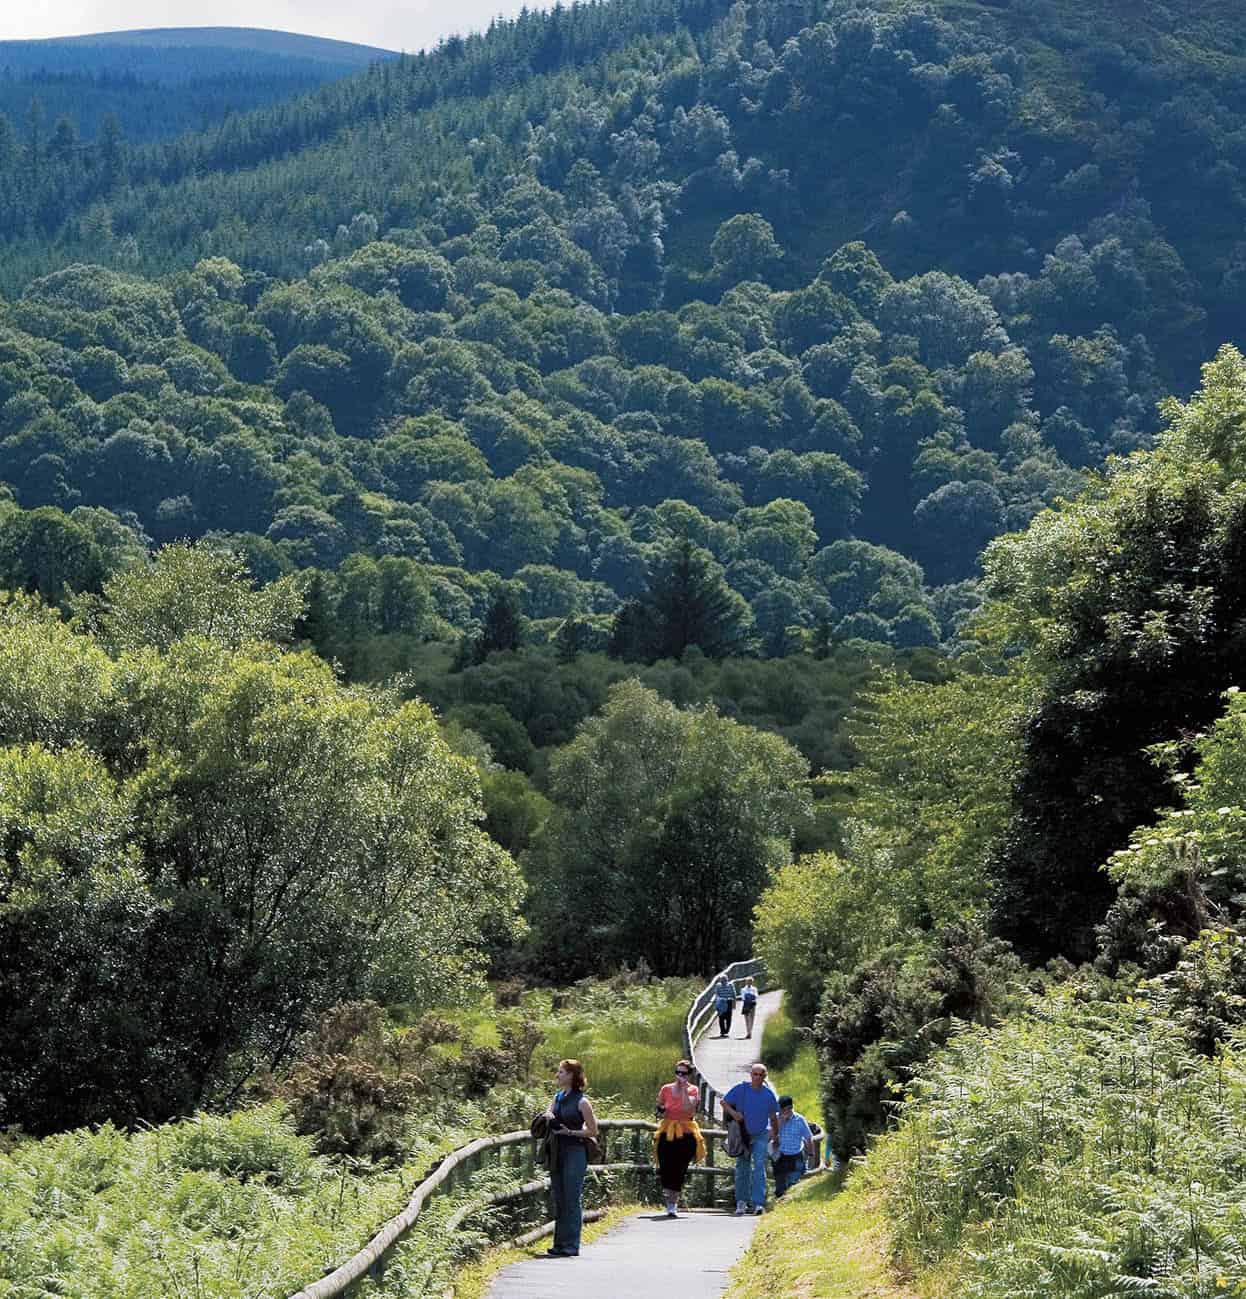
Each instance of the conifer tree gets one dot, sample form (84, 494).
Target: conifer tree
(687, 602)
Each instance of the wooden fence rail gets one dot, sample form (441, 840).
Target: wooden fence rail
(461, 1165)
(701, 1015)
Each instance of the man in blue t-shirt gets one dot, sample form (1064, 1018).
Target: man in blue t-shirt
(724, 1004)
(755, 1106)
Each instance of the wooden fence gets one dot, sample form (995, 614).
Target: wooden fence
(626, 1149)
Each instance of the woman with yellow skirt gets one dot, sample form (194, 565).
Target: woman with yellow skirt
(678, 1139)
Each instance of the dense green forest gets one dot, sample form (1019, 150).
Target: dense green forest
(538, 332)
(656, 481)
(509, 330)
(1029, 945)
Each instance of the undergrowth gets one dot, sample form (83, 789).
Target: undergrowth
(628, 1036)
(1080, 1150)
(244, 1206)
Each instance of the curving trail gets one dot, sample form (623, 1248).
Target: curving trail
(650, 1254)
(725, 1061)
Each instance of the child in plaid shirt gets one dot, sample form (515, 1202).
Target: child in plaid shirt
(795, 1147)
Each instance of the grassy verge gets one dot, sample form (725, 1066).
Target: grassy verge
(793, 1065)
(827, 1240)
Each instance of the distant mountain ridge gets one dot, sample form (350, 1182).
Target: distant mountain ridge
(256, 39)
(219, 72)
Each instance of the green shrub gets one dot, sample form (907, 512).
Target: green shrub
(810, 921)
(356, 1083)
(1206, 992)
(257, 1143)
(893, 1011)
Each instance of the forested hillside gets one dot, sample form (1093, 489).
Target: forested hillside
(646, 483)
(118, 83)
(836, 295)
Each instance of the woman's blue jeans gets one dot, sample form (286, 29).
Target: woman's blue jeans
(567, 1186)
(750, 1173)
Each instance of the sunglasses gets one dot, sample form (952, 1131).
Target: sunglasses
(682, 1073)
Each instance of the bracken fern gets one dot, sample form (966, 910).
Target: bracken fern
(1081, 1150)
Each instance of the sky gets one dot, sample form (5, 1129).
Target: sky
(410, 25)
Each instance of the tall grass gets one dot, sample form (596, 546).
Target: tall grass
(1078, 1151)
(628, 1038)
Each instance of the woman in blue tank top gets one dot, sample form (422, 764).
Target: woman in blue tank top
(572, 1116)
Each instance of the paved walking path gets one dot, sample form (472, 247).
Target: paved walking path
(645, 1256)
(650, 1254)
(725, 1061)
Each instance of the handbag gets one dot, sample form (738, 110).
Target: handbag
(542, 1128)
(737, 1142)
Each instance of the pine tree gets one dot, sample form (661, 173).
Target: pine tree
(503, 629)
(111, 151)
(687, 602)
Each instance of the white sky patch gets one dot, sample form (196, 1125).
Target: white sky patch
(414, 25)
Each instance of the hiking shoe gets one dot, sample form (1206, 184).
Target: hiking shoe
(740, 1208)
(761, 1208)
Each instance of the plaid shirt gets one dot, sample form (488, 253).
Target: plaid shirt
(793, 1135)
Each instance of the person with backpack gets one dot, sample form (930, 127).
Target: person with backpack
(755, 1107)
(724, 1004)
(572, 1123)
(748, 1004)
